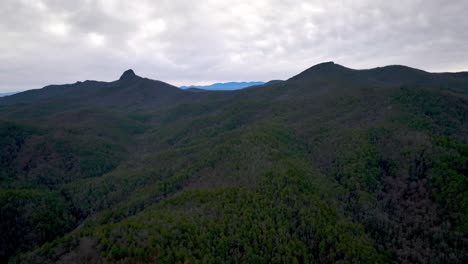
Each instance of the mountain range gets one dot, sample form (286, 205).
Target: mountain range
(334, 165)
(224, 86)
(7, 94)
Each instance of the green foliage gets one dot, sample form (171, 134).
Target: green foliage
(12, 137)
(450, 180)
(31, 217)
(234, 225)
(433, 109)
(356, 166)
(289, 174)
(97, 157)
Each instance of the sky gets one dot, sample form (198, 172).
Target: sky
(186, 42)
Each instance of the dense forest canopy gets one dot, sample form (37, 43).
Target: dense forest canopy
(334, 165)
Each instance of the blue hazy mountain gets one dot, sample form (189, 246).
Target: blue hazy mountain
(7, 94)
(224, 86)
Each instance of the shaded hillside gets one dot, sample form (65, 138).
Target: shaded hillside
(331, 74)
(332, 165)
(130, 91)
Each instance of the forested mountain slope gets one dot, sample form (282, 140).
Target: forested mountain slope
(332, 165)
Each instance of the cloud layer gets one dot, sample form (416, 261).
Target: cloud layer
(197, 42)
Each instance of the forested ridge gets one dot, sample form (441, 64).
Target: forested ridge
(334, 165)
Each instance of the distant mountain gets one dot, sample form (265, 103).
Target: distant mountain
(334, 165)
(329, 74)
(130, 90)
(7, 94)
(228, 86)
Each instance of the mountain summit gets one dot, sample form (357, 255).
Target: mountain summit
(128, 75)
(325, 69)
(129, 90)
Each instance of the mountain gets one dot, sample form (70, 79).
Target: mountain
(7, 94)
(224, 86)
(331, 74)
(129, 90)
(332, 165)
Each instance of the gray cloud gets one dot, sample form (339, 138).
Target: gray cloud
(196, 42)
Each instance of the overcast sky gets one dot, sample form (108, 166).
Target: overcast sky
(199, 42)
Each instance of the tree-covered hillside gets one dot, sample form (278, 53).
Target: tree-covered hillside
(334, 165)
